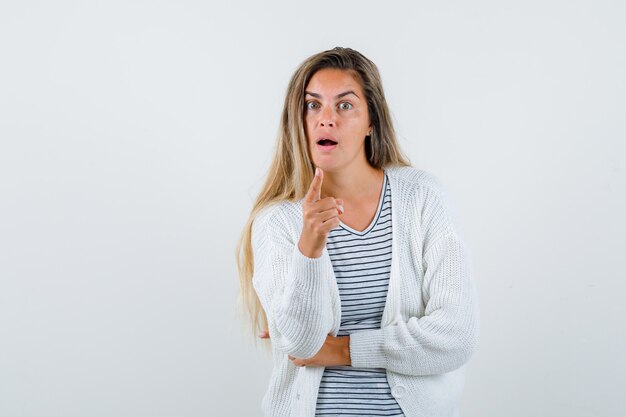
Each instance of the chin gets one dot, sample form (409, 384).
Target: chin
(325, 166)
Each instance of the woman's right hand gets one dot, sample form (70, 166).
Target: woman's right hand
(320, 216)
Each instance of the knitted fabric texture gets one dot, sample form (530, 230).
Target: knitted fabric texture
(430, 324)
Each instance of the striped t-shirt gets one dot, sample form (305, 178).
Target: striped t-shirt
(362, 262)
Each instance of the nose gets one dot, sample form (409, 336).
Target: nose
(327, 117)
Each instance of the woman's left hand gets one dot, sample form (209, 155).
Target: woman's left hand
(334, 352)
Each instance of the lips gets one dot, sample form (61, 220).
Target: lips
(326, 142)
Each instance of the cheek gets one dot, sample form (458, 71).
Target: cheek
(358, 119)
(309, 129)
(307, 123)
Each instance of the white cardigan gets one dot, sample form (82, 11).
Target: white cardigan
(430, 325)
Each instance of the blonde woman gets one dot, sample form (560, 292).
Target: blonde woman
(352, 263)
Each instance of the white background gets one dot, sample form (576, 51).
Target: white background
(134, 136)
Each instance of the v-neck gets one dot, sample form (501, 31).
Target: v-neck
(376, 215)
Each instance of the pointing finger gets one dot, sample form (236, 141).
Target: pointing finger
(315, 190)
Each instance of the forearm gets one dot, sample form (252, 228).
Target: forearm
(445, 336)
(408, 348)
(334, 352)
(300, 312)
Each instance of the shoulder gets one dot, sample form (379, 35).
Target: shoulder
(277, 215)
(275, 228)
(415, 178)
(426, 192)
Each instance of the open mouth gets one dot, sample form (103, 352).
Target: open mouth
(326, 142)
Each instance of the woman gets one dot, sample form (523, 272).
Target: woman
(353, 260)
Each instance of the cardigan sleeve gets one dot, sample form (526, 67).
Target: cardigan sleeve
(445, 337)
(293, 289)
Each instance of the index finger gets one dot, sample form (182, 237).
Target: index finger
(315, 190)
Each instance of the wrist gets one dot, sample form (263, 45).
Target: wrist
(307, 251)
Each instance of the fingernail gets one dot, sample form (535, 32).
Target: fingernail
(340, 208)
(317, 172)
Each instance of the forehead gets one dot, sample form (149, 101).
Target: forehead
(332, 80)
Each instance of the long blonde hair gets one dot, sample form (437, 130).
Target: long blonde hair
(292, 169)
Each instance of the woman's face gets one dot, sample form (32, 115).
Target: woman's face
(336, 119)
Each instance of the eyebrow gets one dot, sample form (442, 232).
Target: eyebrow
(345, 93)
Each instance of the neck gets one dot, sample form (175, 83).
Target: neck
(351, 183)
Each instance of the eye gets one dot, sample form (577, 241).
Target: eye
(345, 105)
(311, 105)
